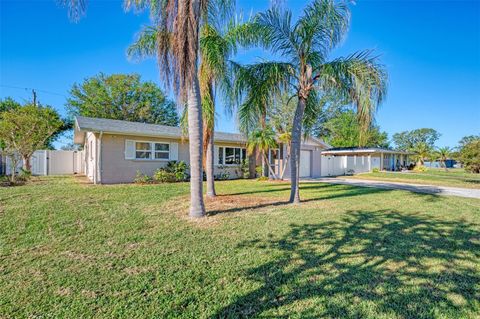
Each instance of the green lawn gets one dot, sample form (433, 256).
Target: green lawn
(72, 250)
(452, 177)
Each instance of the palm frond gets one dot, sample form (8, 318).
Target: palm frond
(76, 8)
(145, 44)
(322, 26)
(254, 87)
(360, 80)
(279, 36)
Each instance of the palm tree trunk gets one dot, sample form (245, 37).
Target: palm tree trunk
(295, 150)
(210, 167)
(195, 141)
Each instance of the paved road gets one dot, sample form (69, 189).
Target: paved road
(427, 189)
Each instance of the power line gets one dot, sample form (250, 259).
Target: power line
(28, 89)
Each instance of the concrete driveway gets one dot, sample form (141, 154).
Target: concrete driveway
(426, 189)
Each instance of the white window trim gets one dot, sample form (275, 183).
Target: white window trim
(225, 151)
(152, 152)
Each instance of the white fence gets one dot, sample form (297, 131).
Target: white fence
(46, 162)
(343, 165)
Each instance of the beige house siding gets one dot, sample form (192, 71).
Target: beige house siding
(315, 158)
(115, 168)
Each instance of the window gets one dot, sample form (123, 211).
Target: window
(152, 151)
(162, 151)
(143, 150)
(231, 155)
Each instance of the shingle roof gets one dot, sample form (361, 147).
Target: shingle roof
(361, 149)
(90, 124)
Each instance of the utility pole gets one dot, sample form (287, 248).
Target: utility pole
(34, 97)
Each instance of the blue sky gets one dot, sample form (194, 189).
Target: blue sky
(431, 50)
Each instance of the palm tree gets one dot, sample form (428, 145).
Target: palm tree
(305, 45)
(262, 140)
(443, 154)
(219, 40)
(177, 52)
(422, 152)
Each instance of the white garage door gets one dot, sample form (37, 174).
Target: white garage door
(305, 164)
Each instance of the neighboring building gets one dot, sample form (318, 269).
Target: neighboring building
(114, 151)
(449, 163)
(353, 160)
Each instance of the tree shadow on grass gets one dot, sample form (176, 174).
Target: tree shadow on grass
(321, 192)
(367, 265)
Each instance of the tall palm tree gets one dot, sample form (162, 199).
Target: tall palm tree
(304, 46)
(177, 53)
(443, 154)
(262, 140)
(220, 37)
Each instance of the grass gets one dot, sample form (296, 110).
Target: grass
(72, 250)
(453, 177)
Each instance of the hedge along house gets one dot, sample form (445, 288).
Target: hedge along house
(353, 160)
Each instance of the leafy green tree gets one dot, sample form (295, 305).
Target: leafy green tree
(469, 153)
(409, 140)
(304, 46)
(27, 128)
(344, 130)
(8, 104)
(122, 97)
(467, 139)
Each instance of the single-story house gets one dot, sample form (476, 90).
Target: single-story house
(353, 160)
(114, 151)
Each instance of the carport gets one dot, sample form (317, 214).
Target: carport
(353, 160)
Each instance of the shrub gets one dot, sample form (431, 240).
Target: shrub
(24, 175)
(420, 168)
(173, 172)
(141, 178)
(376, 170)
(163, 176)
(223, 175)
(262, 178)
(469, 155)
(258, 170)
(178, 169)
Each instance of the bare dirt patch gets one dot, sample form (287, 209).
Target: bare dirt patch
(221, 206)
